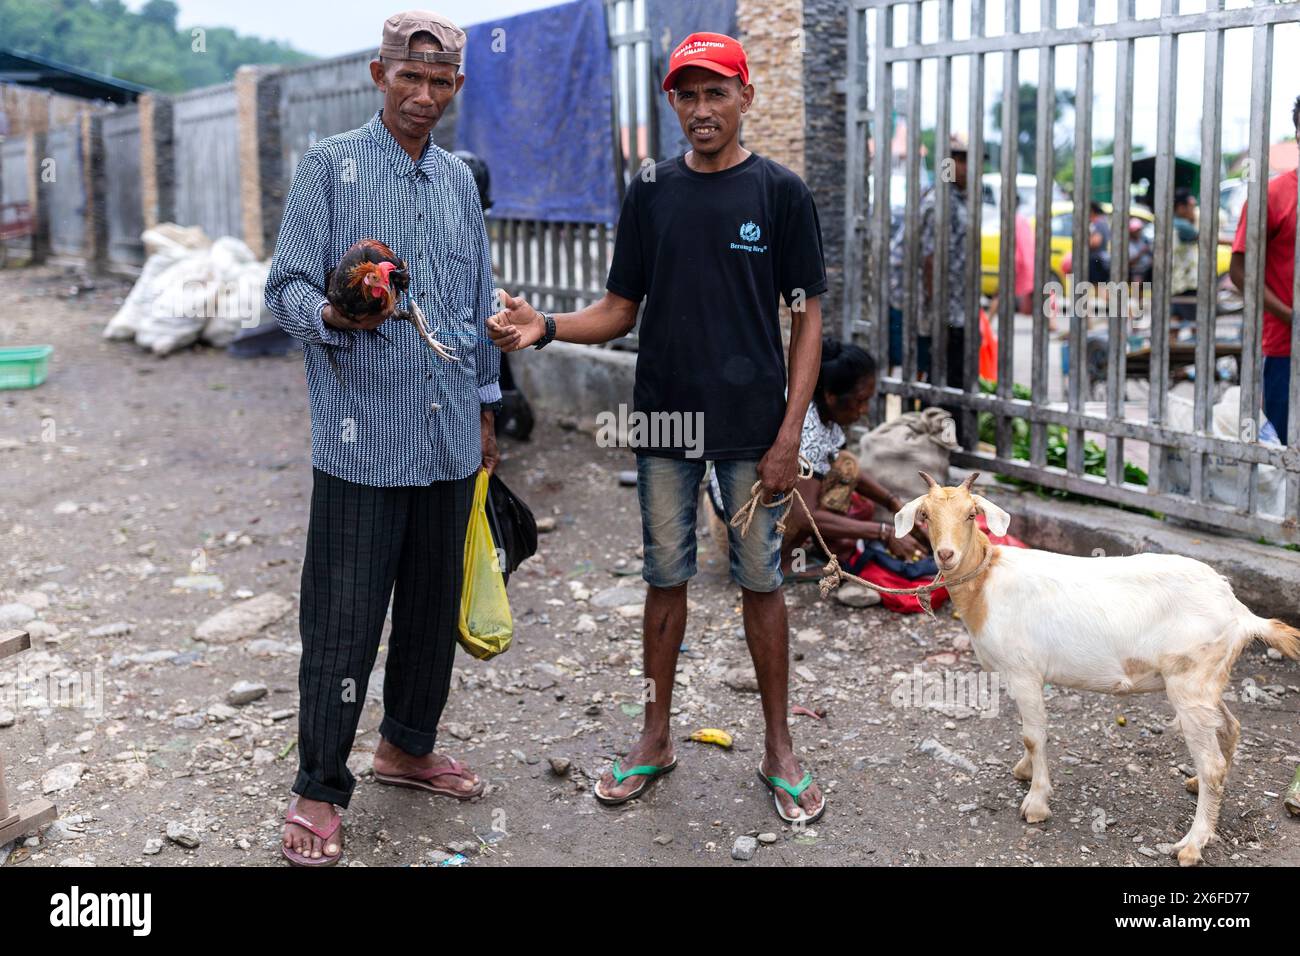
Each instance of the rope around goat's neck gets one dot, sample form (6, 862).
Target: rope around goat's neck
(834, 575)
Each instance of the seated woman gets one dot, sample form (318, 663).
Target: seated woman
(845, 385)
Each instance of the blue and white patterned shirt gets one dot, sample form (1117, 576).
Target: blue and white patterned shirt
(386, 410)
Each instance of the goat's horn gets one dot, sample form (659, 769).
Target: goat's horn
(928, 480)
(970, 480)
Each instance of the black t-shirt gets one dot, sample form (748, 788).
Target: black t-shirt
(712, 254)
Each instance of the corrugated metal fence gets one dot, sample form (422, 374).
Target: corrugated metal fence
(122, 200)
(63, 183)
(206, 134)
(15, 201)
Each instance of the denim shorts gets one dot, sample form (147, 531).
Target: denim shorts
(669, 492)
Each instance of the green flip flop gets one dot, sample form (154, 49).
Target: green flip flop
(649, 771)
(795, 792)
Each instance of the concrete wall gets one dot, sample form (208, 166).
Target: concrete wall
(574, 380)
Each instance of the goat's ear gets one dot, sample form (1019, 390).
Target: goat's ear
(998, 519)
(905, 519)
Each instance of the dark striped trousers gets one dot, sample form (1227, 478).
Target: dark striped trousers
(365, 544)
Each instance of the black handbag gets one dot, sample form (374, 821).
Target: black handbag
(514, 529)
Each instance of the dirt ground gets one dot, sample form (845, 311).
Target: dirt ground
(125, 474)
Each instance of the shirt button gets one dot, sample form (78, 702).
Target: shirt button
(435, 406)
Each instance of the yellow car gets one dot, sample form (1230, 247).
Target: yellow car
(1063, 243)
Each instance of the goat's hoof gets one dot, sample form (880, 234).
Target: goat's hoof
(1189, 855)
(1193, 785)
(1023, 770)
(1035, 810)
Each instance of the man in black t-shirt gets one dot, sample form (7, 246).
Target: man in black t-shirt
(712, 241)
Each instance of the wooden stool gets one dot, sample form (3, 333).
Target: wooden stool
(22, 820)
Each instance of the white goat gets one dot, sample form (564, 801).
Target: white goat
(1118, 625)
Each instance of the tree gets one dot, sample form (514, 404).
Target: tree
(161, 12)
(1027, 143)
(104, 36)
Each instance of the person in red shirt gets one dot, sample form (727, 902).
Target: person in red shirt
(1279, 275)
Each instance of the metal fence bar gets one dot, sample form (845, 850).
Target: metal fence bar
(942, 212)
(1073, 416)
(969, 430)
(1076, 386)
(1134, 431)
(1007, 235)
(1085, 32)
(912, 266)
(1207, 248)
(1261, 91)
(1177, 506)
(1116, 332)
(1045, 170)
(1166, 116)
(1291, 500)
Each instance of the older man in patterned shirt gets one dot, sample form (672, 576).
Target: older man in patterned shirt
(398, 433)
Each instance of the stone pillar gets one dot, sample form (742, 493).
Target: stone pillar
(157, 160)
(257, 92)
(772, 32)
(92, 152)
(825, 58)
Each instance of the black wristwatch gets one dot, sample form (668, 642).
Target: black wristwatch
(493, 407)
(549, 335)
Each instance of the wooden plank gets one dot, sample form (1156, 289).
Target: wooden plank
(12, 642)
(29, 817)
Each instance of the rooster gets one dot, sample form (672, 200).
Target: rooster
(367, 282)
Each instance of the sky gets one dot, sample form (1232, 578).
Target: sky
(329, 27)
(333, 27)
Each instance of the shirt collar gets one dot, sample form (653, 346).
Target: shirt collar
(400, 158)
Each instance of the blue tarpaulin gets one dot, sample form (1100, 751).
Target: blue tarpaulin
(671, 22)
(537, 107)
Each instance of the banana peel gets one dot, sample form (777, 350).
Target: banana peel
(711, 735)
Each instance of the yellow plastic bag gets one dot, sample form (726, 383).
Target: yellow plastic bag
(485, 623)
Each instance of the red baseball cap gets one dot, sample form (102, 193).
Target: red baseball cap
(711, 51)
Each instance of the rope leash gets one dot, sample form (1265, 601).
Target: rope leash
(834, 575)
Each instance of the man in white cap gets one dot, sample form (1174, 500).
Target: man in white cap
(398, 433)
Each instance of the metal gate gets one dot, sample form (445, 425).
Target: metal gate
(878, 40)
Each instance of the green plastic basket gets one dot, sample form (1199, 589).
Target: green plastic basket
(24, 366)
